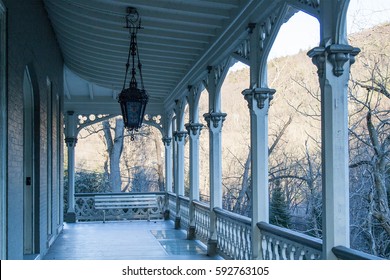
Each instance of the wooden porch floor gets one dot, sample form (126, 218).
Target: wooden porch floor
(127, 240)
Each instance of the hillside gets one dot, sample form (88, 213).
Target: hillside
(293, 86)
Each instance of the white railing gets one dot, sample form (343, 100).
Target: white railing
(184, 212)
(202, 220)
(283, 244)
(234, 235)
(233, 231)
(172, 205)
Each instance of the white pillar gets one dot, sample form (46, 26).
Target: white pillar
(258, 102)
(333, 60)
(71, 140)
(215, 122)
(179, 185)
(180, 137)
(194, 133)
(258, 97)
(168, 163)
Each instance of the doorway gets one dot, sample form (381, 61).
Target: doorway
(30, 191)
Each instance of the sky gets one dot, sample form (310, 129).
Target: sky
(362, 14)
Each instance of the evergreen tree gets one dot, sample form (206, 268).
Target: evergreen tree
(279, 213)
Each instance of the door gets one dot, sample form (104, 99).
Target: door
(28, 168)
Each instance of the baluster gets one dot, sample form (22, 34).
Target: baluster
(292, 252)
(264, 246)
(236, 243)
(276, 250)
(226, 236)
(223, 234)
(284, 251)
(242, 241)
(248, 242)
(242, 231)
(270, 248)
(302, 254)
(229, 234)
(220, 237)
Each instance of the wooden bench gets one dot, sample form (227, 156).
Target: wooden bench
(141, 202)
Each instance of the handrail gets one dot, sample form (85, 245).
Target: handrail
(171, 194)
(344, 253)
(201, 204)
(233, 216)
(184, 198)
(117, 193)
(303, 239)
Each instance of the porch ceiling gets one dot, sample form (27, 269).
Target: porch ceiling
(179, 40)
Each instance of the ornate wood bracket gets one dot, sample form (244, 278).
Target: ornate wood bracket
(167, 141)
(194, 128)
(216, 118)
(180, 135)
(337, 55)
(260, 95)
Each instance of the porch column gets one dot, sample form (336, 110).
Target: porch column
(194, 133)
(168, 172)
(214, 123)
(258, 103)
(215, 119)
(71, 140)
(168, 163)
(193, 128)
(333, 60)
(179, 186)
(179, 136)
(258, 97)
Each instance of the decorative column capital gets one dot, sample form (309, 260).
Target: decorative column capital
(260, 95)
(71, 142)
(167, 141)
(216, 118)
(337, 54)
(180, 135)
(317, 56)
(194, 128)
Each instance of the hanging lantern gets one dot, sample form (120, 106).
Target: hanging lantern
(133, 99)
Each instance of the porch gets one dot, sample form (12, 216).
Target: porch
(184, 235)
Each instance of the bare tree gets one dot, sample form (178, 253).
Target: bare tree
(114, 144)
(370, 142)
